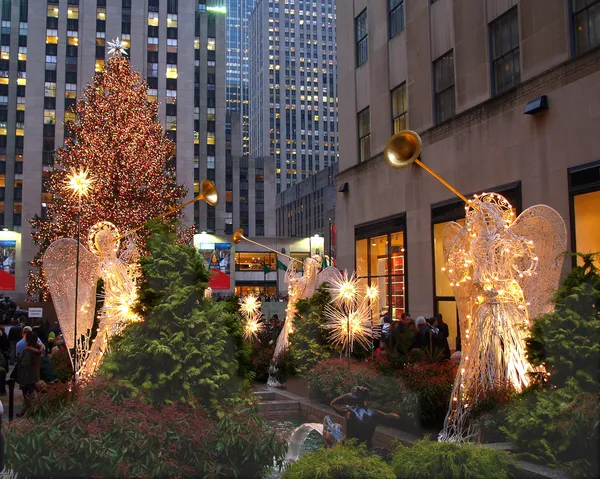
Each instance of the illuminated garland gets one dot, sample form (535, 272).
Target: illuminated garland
(116, 137)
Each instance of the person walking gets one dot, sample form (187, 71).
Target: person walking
(443, 334)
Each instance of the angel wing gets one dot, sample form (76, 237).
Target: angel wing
(328, 275)
(455, 240)
(60, 266)
(546, 228)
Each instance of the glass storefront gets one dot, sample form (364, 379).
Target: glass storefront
(586, 216)
(380, 261)
(584, 187)
(255, 261)
(255, 289)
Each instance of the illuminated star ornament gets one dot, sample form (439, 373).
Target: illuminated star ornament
(249, 305)
(79, 182)
(117, 47)
(252, 317)
(344, 289)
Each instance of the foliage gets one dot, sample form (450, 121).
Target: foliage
(567, 340)
(558, 425)
(448, 460)
(346, 460)
(490, 409)
(420, 392)
(308, 344)
(331, 377)
(182, 350)
(52, 400)
(117, 137)
(109, 433)
(62, 366)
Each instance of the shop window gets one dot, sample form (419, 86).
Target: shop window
(255, 261)
(586, 216)
(380, 261)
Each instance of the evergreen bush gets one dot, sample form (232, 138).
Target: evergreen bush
(449, 460)
(347, 461)
(183, 349)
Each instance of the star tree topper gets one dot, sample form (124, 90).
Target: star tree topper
(117, 47)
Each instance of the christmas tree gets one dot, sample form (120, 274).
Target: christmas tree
(116, 137)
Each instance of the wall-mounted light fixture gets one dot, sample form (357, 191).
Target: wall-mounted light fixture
(537, 105)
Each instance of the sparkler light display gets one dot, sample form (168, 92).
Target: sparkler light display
(346, 328)
(503, 272)
(251, 315)
(117, 139)
(344, 289)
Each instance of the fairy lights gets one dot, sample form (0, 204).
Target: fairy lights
(118, 141)
(372, 292)
(503, 270)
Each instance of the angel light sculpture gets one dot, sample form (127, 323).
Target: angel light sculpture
(503, 272)
(120, 291)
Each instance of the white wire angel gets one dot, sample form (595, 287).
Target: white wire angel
(503, 272)
(120, 291)
(298, 288)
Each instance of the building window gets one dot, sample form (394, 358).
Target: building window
(362, 38)
(364, 135)
(255, 261)
(584, 185)
(399, 109)
(443, 69)
(396, 17)
(586, 23)
(504, 44)
(380, 262)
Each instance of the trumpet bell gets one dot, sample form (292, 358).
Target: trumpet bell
(208, 192)
(238, 236)
(403, 149)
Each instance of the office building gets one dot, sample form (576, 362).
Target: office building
(293, 86)
(505, 96)
(308, 208)
(237, 70)
(50, 52)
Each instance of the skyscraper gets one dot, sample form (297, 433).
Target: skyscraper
(293, 86)
(50, 50)
(237, 71)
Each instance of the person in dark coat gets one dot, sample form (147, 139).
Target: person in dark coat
(14, 336)
(442, 337)
(424, 337)
(29, 369)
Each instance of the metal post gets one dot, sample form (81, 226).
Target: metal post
(348, 351)
(11, 399)
(76, 290)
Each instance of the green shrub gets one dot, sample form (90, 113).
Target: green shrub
(331, 377)
(308, 344)
(182, 349)
(108, 433)
(558, 425)
(567, 340)
(446, 460)
(343, 461)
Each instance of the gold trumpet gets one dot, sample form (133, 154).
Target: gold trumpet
(208, 193)
(404, 148)
(238, 237)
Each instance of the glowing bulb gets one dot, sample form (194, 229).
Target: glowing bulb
(79, 182)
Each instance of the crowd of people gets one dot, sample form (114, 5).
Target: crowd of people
(406, 334)
(34, 352)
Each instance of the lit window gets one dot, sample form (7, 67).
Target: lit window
(72, 38)
(212, 44)
(172, 20)
(152, 94)
(171, 96)
(99, 65)
(153, 19)
(22, 53)
(21, 81)
(171, 123)
(399, 109)
(50, 89)
(171, 71)
(51, 36)
(3, 80)
(210, 162)
(101, 13)
(20, 132)
(73, 13)
(70, 90)
(586, 214)
(69, 116)
(49, 117)
(52, 11)
(210, 138)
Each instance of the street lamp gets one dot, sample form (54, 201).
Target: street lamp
(79, 184)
